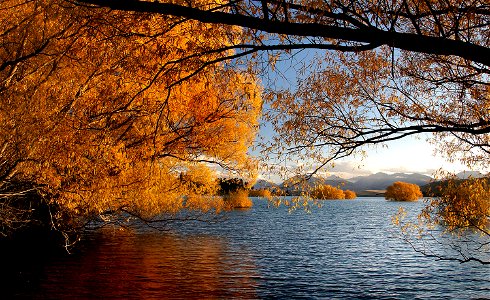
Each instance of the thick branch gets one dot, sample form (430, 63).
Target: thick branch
(20, 59)
(403, 41)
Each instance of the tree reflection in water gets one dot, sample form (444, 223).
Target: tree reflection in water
(152, 265)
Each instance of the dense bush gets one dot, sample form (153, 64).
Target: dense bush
(350, 194)
(326, 191)
(403, 191)
(237, 199)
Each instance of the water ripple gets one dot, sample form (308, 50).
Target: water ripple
(346, 250)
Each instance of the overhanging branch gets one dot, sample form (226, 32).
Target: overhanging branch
(371, 35)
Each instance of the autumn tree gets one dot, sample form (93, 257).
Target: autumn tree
(462, 204)
(403, 191)
(350, 194)
(230, 185)
(326, 191)
(381, 70)
(235, 192)
(461, 209)
(101, 112)
(237, 199)
(264, 193)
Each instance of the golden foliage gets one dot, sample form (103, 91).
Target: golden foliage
(403, 191)
(264, 193)
(350, 194)
(237, 199)
(101, 113)
(326, 191)
(462, 204)
(200, 180)
(204, 203)
(461, 210)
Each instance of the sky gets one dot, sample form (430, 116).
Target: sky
(409, 155)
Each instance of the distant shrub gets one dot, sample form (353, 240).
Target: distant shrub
(348, 194)
(265, 193)
(403, 191)
(237, 199)
(326, 191)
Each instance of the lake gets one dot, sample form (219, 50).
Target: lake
(346, 249)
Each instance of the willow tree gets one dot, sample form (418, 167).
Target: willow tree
(100, 115)
(382, 71)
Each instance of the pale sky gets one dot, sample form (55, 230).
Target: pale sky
(408, 155)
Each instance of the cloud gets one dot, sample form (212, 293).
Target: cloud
(404, 169)
(347, 169)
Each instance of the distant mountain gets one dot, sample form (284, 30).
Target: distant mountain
(264, 184)
(468, 174)
(297, 184)
(335, 178)
(340, 183)
(371, 185)
(380, 181)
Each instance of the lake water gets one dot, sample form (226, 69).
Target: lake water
(346, 249)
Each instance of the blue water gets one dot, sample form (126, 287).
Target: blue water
(346, 249)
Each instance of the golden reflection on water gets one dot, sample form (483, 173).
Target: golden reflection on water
(122, 264)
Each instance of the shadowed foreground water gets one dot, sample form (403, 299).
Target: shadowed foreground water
(347, 249)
